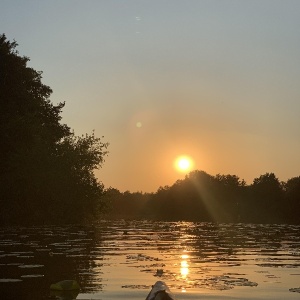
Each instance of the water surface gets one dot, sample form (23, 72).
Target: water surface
(122, 259)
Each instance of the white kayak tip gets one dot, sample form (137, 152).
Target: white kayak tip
(160, 291)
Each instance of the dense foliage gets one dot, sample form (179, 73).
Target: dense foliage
(220, 198)
(46, 171)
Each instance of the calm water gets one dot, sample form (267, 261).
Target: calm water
(121, 260)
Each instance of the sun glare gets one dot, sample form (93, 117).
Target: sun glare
(183, 163)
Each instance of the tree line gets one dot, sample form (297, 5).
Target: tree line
(221, 198)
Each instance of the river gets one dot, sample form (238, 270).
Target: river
(123, 259)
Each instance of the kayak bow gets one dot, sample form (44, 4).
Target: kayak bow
(160, 291)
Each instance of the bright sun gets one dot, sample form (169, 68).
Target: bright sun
(183, 163)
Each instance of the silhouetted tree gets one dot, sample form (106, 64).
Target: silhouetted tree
(46, 172)
(126, 205)
(292, 199)
(230, 191)
(266, 199)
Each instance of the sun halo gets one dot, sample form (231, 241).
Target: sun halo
(183, 163)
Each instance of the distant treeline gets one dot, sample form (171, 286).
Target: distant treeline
(220, 198)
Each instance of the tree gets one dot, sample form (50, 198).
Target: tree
(46, 171)
(267, 198)
(292, 199)
(230, 191)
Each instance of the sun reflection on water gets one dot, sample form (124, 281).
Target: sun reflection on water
(184, 266)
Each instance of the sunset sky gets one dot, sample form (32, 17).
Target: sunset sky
(216, 81)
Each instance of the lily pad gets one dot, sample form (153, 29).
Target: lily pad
(32, 276)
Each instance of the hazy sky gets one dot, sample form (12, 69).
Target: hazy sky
(215, 80)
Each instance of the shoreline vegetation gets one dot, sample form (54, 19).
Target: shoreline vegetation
(206, 198)
(47, 172)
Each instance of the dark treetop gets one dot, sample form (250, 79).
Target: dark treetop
(46, 171)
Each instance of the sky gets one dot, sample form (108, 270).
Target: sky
(216, 81)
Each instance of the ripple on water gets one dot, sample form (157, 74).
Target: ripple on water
(30, 266)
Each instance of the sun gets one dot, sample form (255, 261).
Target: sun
(183, 163)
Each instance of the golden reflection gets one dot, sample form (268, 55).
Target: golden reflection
(184, 269)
